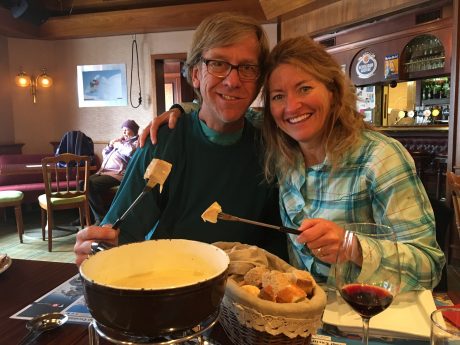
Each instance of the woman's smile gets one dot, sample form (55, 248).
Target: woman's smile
(299, 103)
(299, 118)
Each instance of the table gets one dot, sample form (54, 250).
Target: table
(27, 280)
(25, 169)
(11, 149)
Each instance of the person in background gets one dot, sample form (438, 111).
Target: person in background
(115, 158)
(333, 168)
(215, 153)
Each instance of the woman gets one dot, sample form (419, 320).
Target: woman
(116, 156)
(334, 169)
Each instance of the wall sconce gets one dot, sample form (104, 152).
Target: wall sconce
(42, 80)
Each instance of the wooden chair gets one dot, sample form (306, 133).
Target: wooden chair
(63, 176)
(14, 198)
(454, 182)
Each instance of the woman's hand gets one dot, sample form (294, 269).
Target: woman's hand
(169, 117)
(92, 234)
(114, 141)
(323, 237)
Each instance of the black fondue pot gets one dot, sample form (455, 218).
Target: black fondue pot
(155, 287)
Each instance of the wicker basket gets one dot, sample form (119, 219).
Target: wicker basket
(242, 335)
(249, 320)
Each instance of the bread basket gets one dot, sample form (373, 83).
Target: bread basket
(249, 320)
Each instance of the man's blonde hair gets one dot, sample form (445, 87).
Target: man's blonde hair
(224, 29)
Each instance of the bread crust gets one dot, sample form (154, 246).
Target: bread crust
(304, 280)
(279, 287)
(254, 276)
(253, 290)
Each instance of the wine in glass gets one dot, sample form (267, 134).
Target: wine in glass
(368, 270)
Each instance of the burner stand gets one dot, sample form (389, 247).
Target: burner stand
(192, 336)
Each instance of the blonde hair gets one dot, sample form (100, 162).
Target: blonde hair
(342, 127)
(224, 29)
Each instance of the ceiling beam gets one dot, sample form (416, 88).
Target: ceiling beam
(11, 27)
(289, 9)
(159, 19)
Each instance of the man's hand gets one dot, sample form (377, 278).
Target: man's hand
(169, 117)
(92, 234)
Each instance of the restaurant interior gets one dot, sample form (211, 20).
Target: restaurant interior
(402, 56)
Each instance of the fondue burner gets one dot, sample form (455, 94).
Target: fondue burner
(192, 336)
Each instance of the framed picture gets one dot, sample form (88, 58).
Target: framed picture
(102, 85)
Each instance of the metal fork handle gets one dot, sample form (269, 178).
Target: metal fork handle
(271, 226)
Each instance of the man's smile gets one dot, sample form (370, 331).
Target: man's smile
(228, 97)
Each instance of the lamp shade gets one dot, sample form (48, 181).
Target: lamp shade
(22, 80)
(44, 80)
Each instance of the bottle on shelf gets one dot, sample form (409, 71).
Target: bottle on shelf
(429, 94)
(446, 89)
(436, 89)
(445, 113)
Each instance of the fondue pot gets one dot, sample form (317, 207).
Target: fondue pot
(155, 287)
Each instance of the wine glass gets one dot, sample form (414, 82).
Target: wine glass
(366, 280)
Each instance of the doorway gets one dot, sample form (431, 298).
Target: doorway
(170, 85)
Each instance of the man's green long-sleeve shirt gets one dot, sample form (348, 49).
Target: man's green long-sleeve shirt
(202, 172)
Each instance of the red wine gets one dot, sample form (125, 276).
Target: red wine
(366, 300)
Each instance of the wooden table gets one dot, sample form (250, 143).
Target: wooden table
(24, 169)
(11, 149)
(27, 280)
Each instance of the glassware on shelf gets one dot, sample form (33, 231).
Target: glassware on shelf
(424, 53)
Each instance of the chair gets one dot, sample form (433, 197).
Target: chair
(66, 180)
(14, 198)
(443, 217)
(454, 182)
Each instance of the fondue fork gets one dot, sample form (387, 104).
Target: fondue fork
(225, 216)
(156, 173)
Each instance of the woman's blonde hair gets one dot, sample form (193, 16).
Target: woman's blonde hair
(224, 29)
(342, 127)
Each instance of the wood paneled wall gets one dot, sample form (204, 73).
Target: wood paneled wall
(344, 13)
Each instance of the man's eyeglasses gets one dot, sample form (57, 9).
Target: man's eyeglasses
(222, 69)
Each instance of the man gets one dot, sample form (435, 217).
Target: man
(116, 156)
(214, 153)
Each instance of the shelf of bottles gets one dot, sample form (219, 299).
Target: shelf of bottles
(424, 53)
(434, 106)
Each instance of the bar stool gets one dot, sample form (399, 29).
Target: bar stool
(14, 198)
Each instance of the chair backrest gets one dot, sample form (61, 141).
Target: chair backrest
(78, 143)
(454, 183)
(62, 175)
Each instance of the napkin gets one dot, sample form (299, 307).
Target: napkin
(408, 317)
